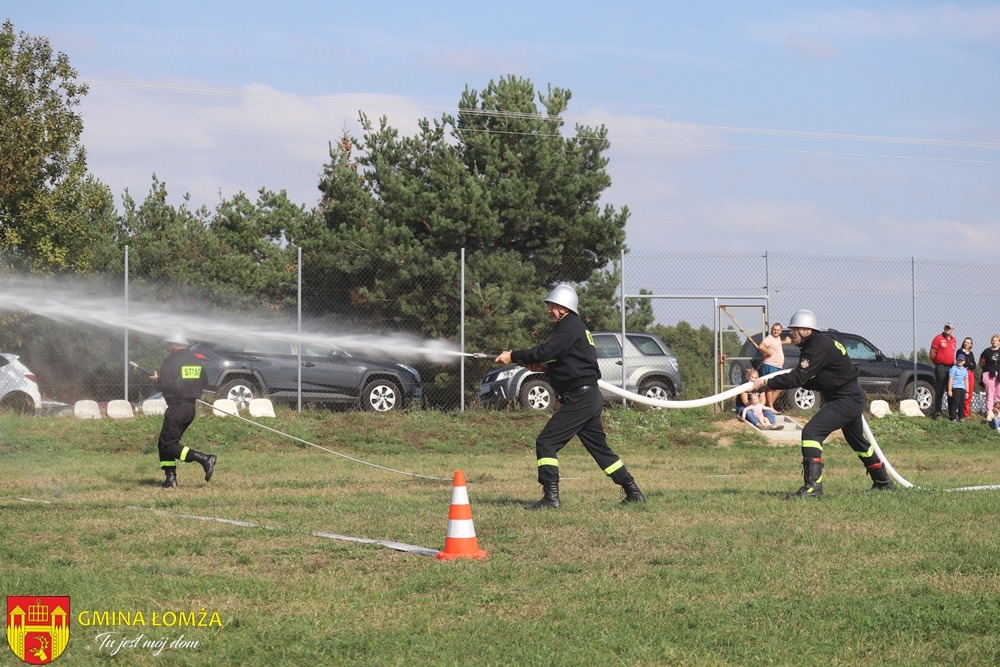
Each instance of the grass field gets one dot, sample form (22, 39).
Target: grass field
(718, 569)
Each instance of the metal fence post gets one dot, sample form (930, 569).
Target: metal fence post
(717, 324)
(126, 323)
(767, 287)
(298, 345)
(913, 290)
(461, 326)
(621, 285)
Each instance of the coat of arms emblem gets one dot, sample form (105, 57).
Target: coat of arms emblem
(37, 627)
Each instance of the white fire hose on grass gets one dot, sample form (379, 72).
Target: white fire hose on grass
(746, 386)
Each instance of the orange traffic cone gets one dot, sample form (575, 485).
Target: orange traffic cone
(460, 541)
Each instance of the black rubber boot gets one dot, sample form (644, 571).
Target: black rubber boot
(632, 493)
(171, 481)
(812, 476)
(880, 478)
(550, 497)
(207, 462)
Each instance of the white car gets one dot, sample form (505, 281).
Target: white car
(18, 387)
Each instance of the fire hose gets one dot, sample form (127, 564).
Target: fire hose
(730, 393)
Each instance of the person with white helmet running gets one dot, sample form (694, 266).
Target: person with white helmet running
(573, 372)
(824, 366)
(181, 379)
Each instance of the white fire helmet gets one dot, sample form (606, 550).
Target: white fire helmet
(564, 295)
(804, 319)
(176, 337)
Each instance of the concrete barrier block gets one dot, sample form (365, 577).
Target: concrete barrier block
(879, 408)
(87, 410)
(154, 406)
(120, 410)
(224, 407)
(261, 407)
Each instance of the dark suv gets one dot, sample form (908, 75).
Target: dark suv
(652, 371)
(879, 375)
(244, 370)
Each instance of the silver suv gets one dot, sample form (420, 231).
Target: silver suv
(651, 368)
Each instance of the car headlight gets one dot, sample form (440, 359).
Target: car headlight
(673, 362)
(507, 374)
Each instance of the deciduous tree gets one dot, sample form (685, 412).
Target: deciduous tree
(45, 199)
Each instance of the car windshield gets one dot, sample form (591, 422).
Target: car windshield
(647, 346)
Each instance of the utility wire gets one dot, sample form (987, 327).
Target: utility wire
(589, 138)
(536, 116)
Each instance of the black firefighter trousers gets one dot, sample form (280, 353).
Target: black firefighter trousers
(843, 410)
(175, 421)
(579, 414)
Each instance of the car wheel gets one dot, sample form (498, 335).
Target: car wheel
(240, 392)
(737, 374)
(537, 395)
(380, 396)
(925, 395)
(655, 389)
(19, 404)
(804, 399)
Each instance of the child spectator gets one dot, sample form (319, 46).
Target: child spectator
(958, 385)
(994, 416)
(970, 368)
(749, 408)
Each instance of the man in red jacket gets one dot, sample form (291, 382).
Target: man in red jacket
(942, 355)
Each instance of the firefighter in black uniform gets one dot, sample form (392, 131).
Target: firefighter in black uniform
(573, 372)
(825, 367)
(181, 379)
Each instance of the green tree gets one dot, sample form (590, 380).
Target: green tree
(46, 200)
(506, 185)
(233, 257)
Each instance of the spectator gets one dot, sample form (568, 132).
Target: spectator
(989, 361)
(957, 388)
(774, 359)
(943, 357)
(749, 408)
(970, 366)
(994, 416)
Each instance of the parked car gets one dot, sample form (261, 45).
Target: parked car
(244, 370)
(652, 371)
(879, 375)
(18, 387)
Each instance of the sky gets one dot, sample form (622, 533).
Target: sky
(720, 114)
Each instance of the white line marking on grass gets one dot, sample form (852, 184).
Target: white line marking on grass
(398, 546)
(991, 487)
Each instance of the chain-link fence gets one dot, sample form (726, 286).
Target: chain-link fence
(76, 336)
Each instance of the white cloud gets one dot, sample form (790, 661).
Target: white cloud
(811, 46)
(633, 136)
(950, 23)
(479, 59)
(924, 236)
(204, 144)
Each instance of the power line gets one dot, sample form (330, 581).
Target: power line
(582, 138)
(226, 92)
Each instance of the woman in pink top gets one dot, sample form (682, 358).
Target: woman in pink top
(774, 359)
